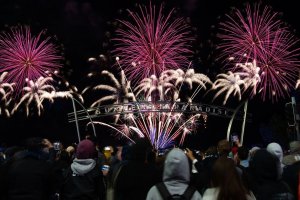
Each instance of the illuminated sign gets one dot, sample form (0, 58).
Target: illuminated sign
(146, 107)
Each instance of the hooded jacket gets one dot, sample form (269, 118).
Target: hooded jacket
(276, 150)
(83, 181)
(265, 183)
(26, 176)
(135, 177)
(176, 176)
(82, 166)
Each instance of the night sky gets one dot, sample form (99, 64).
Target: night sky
(83, 29)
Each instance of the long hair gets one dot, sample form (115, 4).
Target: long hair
(227, 179)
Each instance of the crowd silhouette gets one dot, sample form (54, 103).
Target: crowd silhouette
(43, 170)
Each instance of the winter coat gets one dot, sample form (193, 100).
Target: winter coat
(264, 180)
(176, 176)
(83, 181)
(276, 150)
(27, 177)
(134, 181)
(291, 176)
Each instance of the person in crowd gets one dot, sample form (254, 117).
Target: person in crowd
(201, 180)
(84, 179)
(114, 171)
(294, 153)
(291, 173)
(252, 152)
(242, 157)
(226, 182)
(12, 152)
(71, 151)
(264, 174)
(108, 153)
(28, 175)
(276, 150)
(116, 157)
(60, 165)
(176, 177)
(159, 164)
(223, 148)
(241, 160)
(49, 151)
(235, 146)
(135, 177)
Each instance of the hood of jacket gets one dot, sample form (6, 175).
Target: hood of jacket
(176, 167)
(176, 176)
(264, 166)
(276, 150)
(82, 166)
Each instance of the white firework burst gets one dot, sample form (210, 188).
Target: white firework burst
(69, 91)
(6, 90)
(230, 84)
(69, 94)
(189, 77)
(179, 77)
(250, 74)
(36, 92)
(120, 90)
(297, 84)
(153, 84)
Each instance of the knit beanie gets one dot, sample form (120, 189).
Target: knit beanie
(85, 150)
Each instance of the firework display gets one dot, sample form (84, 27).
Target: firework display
(160, 128)
(152, 43)
(246, 32)
(120, 90)
(29, 66)
(230, 83)
(257, 35)
(36, 92)
(250, 75)
(6, 90)
(153, 50)
(63, 89)
(297, 84)
(26, 56)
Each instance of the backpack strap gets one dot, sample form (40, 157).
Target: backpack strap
(163, 190)
(189, 192)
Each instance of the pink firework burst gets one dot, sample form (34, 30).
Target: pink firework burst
(261, 37)
(245, 33)
(152, 43)
(279, 66)
(26, 56)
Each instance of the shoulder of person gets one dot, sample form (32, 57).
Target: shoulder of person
(153, 193)
(196, 196)
(96, 171)
(210, 193)
(250, 196)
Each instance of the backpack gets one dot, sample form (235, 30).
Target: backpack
(188, 193)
